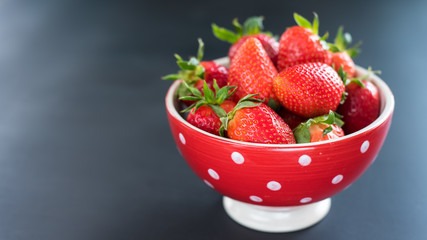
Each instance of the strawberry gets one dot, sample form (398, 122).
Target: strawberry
(301, 44)
(253, 121)
(361, 106)
(252, 71)
(251, 28)
(341, 55)
(215, 71)
(290, 118)
(320, 128)
(194, 71)
(309, 89)
(205, 113)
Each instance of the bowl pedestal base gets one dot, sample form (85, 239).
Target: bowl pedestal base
(276, 219)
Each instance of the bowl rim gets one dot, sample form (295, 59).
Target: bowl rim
(387, 107)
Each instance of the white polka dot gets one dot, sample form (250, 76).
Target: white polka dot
(364, 147)
(182, 138)
(208, 183)
(237, 158)
(337, 179)
(213, 174)
(255, 198)
(274, 186)
(304, 160)
(305, 200)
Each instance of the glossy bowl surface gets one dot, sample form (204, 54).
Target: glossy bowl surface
(280, 175)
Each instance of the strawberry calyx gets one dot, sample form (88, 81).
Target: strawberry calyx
(342, 43)
(246, 102)
(314, 27)
(190, 72)
(302, 131)
(358, 80)
(209, 97)
(251, 26)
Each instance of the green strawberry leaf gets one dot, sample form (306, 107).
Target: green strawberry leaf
(199, 104)
(315, 27)
(200, 50)
(354, 51)
(209, 94)
(342, 41)
(246, 104)
(250, 97)
(173, 77)
(343, 75)
(183, 90)
(193, 90)
(218, 110)
(237, 27)
(188, 109)
(327, 130)
(224, 124)
(325, 36)
(302, 22)
(224, 34)
(253, 25)
(302, 132)
(189, 98)
(358, 82)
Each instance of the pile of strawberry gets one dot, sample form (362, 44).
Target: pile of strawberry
(299, 89)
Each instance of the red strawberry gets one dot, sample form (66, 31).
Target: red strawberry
(320, 128)
(194, 71)
(251, 28)
(252, 71)
(341, 55)
(215, 71)
(290, 118)
(206, 119)
(309, 89)
(205, 113)
(361, 106)
(342, 59)
(256, 122)
(301, 44)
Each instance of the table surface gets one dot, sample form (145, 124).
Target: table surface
(85, 147)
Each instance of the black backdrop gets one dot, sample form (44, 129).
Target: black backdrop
(85, 148)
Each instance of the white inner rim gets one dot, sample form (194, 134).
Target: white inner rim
(387, 107)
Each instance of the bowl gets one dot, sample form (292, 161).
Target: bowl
(279, 187)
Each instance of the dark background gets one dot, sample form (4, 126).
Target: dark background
(85, 147)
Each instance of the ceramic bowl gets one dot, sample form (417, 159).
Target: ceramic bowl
(284, 176)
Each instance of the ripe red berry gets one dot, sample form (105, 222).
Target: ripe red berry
(309, 89)
(206, 119)
(361, 107)
(252, 27)
(301, 44)
(258, 123)
(252, 71)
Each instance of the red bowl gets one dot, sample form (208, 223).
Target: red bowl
(280, 174)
